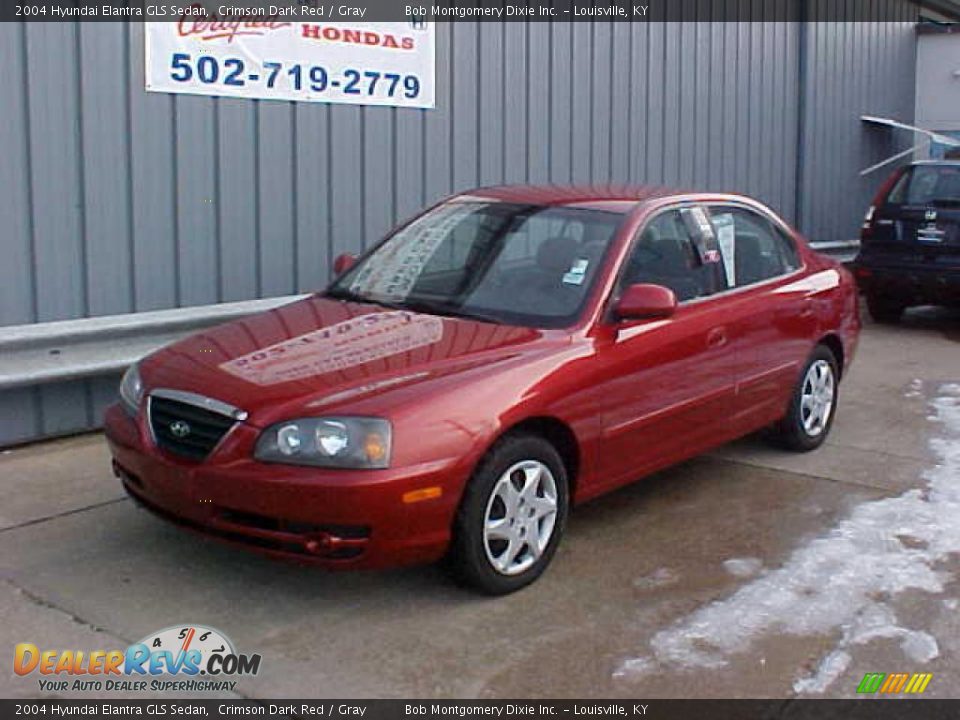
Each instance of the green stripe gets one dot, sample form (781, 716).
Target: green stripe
(871, 682)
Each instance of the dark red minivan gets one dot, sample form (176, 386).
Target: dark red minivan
(509, 353)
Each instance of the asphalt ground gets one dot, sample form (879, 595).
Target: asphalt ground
(750, 572)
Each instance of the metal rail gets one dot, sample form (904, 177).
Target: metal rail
(77, 349)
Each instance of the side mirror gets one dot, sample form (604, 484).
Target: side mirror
(343, 262)
(644, 301)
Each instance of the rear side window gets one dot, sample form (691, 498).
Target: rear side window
(927, 184)
(753, 248)
(666, 254)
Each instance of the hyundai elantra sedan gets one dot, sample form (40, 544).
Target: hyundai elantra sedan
(504, 356)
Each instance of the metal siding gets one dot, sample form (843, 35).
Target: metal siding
(236, 211)
(314, 259)
(116, 200)
(17, 297)
(278, 236)
(56, 179)
(538, 107)
(516, 129)
(852, 69)
(105, 143)
(153, 187)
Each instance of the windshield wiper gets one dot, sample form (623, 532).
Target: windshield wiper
(348, 295)
(420, 306)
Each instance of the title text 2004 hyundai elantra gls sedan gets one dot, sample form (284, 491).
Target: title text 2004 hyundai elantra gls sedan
(507, 354)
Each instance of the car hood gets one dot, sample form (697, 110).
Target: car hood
(319, 352)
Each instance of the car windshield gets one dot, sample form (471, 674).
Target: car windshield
(928, 185)
(518, 264)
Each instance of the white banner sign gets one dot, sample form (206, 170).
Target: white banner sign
(372, 63)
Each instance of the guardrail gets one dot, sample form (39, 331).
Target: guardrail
(842, 250)
(88, 347)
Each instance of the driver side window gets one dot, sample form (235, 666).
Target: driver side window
(665, 254)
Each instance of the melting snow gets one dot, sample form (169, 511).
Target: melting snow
(660, 577)
(743, 567)
(837, 583)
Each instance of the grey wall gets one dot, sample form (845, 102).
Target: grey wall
(116, 201)
(938, 81)
(852, 69)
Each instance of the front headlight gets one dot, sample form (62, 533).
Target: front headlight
(336, 442)
(131, 390)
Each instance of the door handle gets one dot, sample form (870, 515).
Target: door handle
(717, 337)
(806, 311)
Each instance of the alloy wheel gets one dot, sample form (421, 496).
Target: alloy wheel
(520, 517)
(816, 399)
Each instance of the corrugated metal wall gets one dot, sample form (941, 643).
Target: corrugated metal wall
(852, 69)
(117, 201)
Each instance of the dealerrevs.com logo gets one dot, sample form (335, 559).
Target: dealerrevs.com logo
(180, 658)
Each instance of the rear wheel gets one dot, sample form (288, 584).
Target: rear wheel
(885, 309)
(512, 516)
(813, 405)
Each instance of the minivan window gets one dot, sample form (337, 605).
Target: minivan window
(519, 264)
(927, 185)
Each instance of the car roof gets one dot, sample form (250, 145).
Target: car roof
(610, 196)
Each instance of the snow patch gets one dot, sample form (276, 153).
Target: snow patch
(836, 584)
(661, 577)
(830, 669)
(743, 567)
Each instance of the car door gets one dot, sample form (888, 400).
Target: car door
(665, 386)
(770, 309)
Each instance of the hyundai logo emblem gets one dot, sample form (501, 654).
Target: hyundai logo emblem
(179, 429)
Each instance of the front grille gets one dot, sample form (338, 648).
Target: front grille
(199, 430)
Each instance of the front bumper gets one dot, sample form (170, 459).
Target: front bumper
(914, 283)
(335, 518)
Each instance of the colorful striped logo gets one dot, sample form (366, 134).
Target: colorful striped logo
(894, 683)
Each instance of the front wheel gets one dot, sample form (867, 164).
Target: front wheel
(813, 405)
(512, 516)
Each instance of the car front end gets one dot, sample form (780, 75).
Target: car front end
(212, 479)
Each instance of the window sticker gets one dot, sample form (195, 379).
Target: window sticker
(726, 238)
(402, 261)
(577, 272)
(698, 225)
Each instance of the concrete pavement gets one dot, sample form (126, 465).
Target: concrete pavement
(739, 574)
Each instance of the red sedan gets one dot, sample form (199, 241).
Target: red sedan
(508, 353)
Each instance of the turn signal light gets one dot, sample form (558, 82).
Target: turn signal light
(427, 493)
(375, 447)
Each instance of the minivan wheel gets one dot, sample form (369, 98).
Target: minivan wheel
(512, 516)
(813, 405)
(884, 309)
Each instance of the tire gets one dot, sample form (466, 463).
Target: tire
(799, 430)
(481, 555)
(884, 309)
